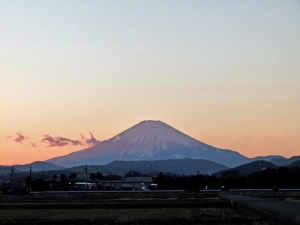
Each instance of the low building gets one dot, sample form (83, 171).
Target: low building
(129, 183)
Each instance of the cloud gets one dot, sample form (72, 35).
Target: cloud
(89, 141)
(19, 138)
(59, 141)
(33, 145)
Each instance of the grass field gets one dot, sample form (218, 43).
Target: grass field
(133, 208)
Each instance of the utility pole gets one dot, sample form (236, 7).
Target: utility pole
(30, 172)
(10, 179)
(11, 175)
(173, 179)
(110, 181)
(151, 169)
(86, 172)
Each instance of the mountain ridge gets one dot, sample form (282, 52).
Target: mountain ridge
(248, 168)
(38, 166)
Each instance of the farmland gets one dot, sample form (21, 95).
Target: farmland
(120, 208)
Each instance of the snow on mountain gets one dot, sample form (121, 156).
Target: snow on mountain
(155, 134)
(149, 137)
(150, 140)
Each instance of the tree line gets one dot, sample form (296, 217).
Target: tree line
(283, 177)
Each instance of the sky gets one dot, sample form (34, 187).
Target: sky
(73, 73)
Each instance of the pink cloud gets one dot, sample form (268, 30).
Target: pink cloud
(90, 141)
(59, 141)
(19, 138)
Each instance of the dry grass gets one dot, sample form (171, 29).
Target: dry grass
(260, 223)
(117, 214)
(125, 209)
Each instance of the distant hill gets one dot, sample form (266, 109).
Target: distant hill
(6, 169)
(279, 162)
(38, 166)
(177, 166)
(249, 168)
(295, 164)
(268, 158)
(284, 162)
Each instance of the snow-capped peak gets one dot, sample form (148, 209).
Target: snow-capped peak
(150, 140)
(155, 134)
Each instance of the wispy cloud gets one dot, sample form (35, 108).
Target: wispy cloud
(33, 145)
(19, 138)
(59, 141)
(90, 141)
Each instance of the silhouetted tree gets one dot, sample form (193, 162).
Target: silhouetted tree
(112, 177)
(99, 175)
(28, 182)
(73, 176)
(93, 176)
(54, 177)
(5, 189)
(230, 174)
(40, 185)
(54, 182)
(133, 174)
(63, 184)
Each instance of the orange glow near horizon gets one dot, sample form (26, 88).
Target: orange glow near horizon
(248, 145)
(223, 72)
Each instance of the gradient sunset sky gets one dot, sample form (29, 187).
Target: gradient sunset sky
(226, 73)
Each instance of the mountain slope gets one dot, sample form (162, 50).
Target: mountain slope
(295, 164)
(173, 166)
(38, 166)
(249, 168)
(255, 166)
(150, 140)
(284, 161)
(176, 166)
(268, 158)
(6, 169)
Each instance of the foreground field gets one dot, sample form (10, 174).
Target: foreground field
(135, 208)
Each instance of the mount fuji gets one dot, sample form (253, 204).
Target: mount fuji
(150, 140)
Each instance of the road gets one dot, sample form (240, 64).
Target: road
(287, 211)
